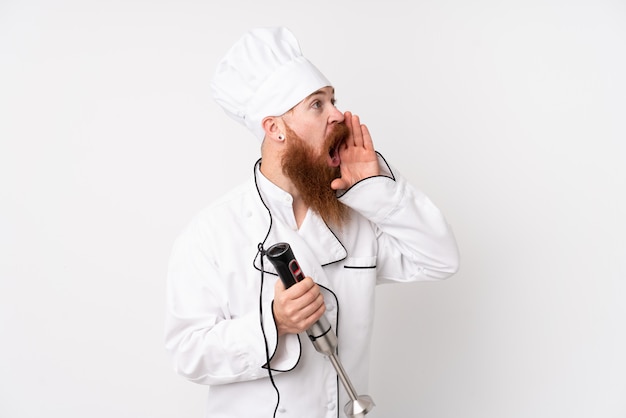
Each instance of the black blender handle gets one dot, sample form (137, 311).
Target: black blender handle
(285, 263)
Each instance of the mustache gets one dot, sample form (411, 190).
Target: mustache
(337, 137)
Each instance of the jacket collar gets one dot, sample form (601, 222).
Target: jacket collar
(315, 242)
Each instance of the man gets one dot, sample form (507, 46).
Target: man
(351, 221)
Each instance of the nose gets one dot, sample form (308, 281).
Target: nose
(336, 116)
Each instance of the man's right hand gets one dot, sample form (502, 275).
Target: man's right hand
(297, 308)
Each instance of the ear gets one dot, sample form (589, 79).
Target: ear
(272, 127)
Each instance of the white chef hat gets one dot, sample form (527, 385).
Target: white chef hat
(264, 74)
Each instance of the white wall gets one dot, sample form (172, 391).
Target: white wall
(509, 114)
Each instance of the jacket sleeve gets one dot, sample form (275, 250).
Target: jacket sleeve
(415, 241)
(207, 342)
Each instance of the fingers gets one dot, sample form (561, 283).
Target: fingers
(297, 308)
(359, 134)
(367, 138)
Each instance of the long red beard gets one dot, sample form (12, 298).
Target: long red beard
(311, 174)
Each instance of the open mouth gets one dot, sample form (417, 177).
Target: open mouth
(333, 154)
(336, 140)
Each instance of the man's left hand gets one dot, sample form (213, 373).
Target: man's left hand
(358, 157)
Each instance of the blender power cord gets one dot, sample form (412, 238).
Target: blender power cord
(267, 350)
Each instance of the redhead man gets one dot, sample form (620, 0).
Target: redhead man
(352, 221)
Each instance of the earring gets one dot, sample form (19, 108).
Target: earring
(281, 137)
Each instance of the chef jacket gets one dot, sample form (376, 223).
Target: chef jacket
(220, 291)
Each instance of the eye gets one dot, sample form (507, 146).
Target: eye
(316, 104)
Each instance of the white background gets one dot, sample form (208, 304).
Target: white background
(510, 115)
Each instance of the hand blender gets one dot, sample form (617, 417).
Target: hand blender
(321, 334)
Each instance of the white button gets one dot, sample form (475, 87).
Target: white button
(282, 410)
(331, 406)
(330, 307)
